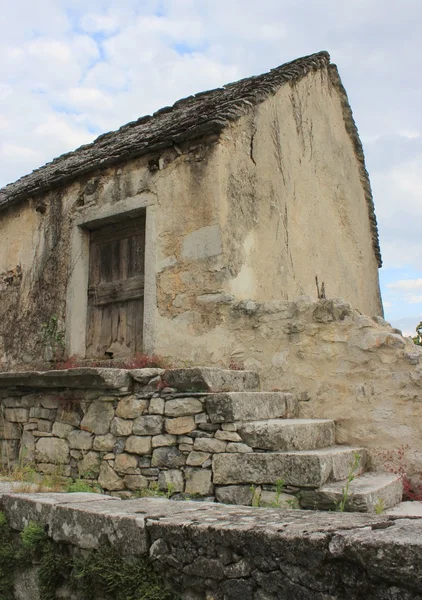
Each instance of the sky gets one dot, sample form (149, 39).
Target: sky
(73, 69)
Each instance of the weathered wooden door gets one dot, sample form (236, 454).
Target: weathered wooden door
(116, 289)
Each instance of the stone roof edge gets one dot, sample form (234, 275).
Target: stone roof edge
(352, 130)
(56, 173)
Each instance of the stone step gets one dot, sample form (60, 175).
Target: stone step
(305, 468)
(250, 406)
(288, 434)
(209, 379)
(407, 509)
(371, 492)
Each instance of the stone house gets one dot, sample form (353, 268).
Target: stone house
(145, 239)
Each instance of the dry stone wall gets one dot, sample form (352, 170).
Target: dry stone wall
(129, 430)
(206, 550)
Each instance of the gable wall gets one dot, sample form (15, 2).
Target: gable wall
(294, 206)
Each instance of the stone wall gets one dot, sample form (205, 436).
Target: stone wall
(356, 370)
(208, 551)
(129, 430)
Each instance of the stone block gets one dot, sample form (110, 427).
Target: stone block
(126, 463)
(131, 407)
(171, 480)
(237, 447)
(302, 469)
(89, 466)
(52, 450)
(37, 412)
(136, 482)
(288, 434)
(170, 458)
(165, 439)
(201, 418)
(98, 417)
(145, 375)
(249, 406)
(45, 426)
(227, 436)
(235, 494)
(209, 379)
(61, 430)
(50, 401)
(11, 431)
(197, 459)
(180, 425)
(148, 425)
(184, 439)
(184, 448)
(26, 584)
(156, 406)
(199, 481)
(209, 445)
(270, 499)
(108, 478)
(365, 493)
(182, 407)
(121, 427)
(104, 443)
(80, 440)
(16, 415)
(70, 415)
(27, 450)
(138, 444)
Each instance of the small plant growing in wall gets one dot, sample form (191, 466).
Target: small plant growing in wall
(345, 492)
(418, 337)
(53, 339)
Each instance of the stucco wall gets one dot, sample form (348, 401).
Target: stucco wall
(256, 213)
(293, 205)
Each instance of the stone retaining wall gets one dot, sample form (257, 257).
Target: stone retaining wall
(208, 551)
(127, 430)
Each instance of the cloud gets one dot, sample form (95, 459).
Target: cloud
(406, 284)
(72, 69)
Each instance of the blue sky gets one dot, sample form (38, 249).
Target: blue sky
(72, 69)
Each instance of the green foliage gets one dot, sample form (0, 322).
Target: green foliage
(256, 496)
(418, 337)
(52, 335)
(91, 573)
(82, 485)
(345, 493)
(379, 506)
(7, 559)
(279, 486)
(32, 541)
(105, 571)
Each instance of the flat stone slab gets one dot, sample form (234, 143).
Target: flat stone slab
(406, 509)
(249, 406)
(232, 552)
(80, 378)
(209, 379)
(307, 468)
(368, 493)
(288, 434)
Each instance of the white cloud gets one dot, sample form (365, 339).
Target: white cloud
(406, 284)
(74, 67)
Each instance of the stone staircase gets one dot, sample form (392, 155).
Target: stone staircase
(274, 446)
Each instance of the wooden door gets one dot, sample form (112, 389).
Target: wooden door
(116, 289)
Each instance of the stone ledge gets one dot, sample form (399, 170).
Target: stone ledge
(241, 553)
(80, 378)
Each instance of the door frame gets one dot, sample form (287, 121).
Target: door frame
(77, 286)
